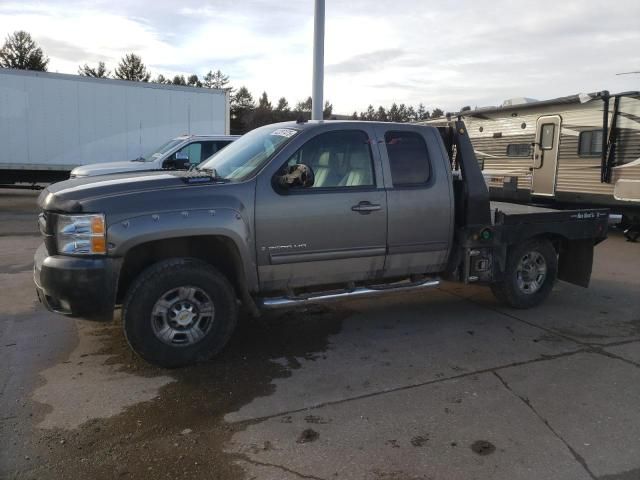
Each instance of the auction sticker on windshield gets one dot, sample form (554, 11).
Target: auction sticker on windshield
(284, 132)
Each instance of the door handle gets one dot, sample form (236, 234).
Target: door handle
(366, 207)
(538, 160)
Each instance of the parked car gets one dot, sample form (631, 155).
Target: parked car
(291, 214)
(177, 154)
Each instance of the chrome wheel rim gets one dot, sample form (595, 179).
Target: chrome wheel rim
(531, 272)
(182, 316)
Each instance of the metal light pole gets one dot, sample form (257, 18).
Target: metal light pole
(318, 62)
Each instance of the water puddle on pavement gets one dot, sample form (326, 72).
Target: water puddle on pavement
(111, 415)
(86, 386)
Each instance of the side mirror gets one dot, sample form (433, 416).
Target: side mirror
(299, 175)
(181, 161)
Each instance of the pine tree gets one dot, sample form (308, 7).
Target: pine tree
(161, 79)
(422, 113)
(179, 80)
(328, 110)
(264, 103)
(402, 113)
(283, 105)
(393, 114)
(381, 114)
(193, 81)
(243, 99)
(411, 114)
(96, 72)
(21, 51)
(132, 68)
(370, 114)
(304, 106)
(437, 113)
(242, 111)
(216, 79)
(354, 115)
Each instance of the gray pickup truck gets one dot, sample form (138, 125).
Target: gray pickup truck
(291, 214)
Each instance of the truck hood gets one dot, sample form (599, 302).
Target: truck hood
(135, 191)
(112, 167)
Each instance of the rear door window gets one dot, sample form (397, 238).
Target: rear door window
(408, 158)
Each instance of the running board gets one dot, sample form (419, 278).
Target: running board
(335, 295)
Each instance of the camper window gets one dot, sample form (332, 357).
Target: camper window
(590, 144)
(519, 150)
(546, 138)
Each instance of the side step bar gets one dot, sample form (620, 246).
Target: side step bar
(335, 295)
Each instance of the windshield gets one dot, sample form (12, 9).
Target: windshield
(160, 151)
(246, 155)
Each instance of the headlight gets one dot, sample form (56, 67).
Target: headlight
(81, 234)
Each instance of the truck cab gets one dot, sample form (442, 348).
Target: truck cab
(178, 153)
(291, 214)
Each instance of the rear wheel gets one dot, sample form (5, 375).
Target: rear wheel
(179, 311)
(531, 272)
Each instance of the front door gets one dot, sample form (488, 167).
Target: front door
(545, 156)
(332, 232)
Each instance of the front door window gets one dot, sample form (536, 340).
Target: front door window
(338, 159)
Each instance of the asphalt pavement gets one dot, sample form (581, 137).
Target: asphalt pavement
(445, 384)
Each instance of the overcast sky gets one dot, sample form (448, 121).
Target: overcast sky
(445, 53)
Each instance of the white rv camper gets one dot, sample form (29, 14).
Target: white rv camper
(51, 123)
(580, 149)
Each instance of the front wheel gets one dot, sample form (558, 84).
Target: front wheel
(531, 272)
(178, 312)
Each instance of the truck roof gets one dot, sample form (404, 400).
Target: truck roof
(207, 137)
(318, 123)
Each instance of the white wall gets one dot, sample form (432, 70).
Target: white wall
(54, 121)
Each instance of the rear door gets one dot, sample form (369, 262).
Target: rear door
(545, 156)
(419, 199)
(332, 232)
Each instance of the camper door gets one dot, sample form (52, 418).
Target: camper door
(545, 156)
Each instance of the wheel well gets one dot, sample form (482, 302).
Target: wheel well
(559, 242)
(575, 258)
(220, 252)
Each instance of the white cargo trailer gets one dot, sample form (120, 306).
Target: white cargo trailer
(51, 122)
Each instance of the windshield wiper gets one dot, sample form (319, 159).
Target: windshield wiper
(139, 159)
(212, 172)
